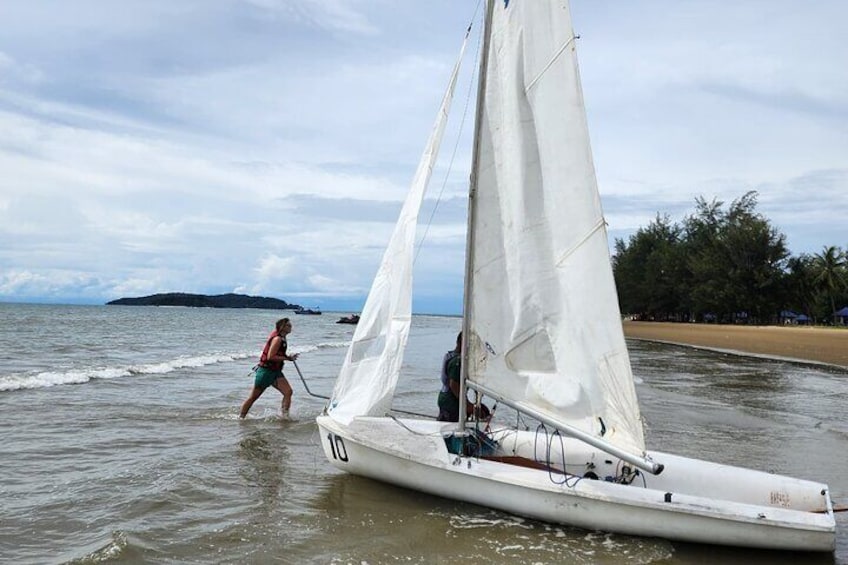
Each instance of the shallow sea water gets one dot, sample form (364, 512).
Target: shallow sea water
(120, 443)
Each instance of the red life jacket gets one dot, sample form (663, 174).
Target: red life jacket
(263, 359)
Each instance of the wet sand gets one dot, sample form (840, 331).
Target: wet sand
(819, 345)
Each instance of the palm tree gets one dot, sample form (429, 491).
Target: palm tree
(829, 269)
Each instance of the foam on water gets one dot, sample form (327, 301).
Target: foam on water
(521, 540)
(111, 551)
(78, 376)
(41, 379)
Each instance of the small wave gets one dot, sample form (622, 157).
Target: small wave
(324, 345)
(79, 376)
(514, 538)
(51, 378)
(837, 430)
(109, 552)
(183, 362)
(44, 379)
(488, 520)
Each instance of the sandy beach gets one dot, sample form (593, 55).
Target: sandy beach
(821, 345)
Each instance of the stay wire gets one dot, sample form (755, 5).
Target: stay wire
(458, 139)
(427, 416)
(416, 432)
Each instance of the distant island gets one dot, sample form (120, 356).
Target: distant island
(207, 301)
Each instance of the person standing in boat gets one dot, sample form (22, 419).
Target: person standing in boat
(269, 371)
(449, 393)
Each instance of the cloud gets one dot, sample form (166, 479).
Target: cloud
(267, 145)
(19, 283)
(333, 15)
(274, 267)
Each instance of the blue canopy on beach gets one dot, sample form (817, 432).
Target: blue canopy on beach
(803, 318)
(788, 314)
(842, 312)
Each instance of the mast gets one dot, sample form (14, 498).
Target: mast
(472, 209)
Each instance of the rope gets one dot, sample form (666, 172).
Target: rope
(542, 429)
(416, 432)
(303, 380)
(491, 416)
(427, 416)
(307, 386)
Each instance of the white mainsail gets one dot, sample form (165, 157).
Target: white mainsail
(542, 318)
(369, 374)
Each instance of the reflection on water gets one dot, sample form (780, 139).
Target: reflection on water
(758, 413)
(755, 412)
(264, 467)
(691, 554)
(373, 522)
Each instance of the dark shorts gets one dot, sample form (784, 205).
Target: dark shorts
(448, 407)
(265, 377)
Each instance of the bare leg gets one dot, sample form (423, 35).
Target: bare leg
(285, 389)
(255, 393)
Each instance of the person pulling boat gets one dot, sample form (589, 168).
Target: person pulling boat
(269, 371)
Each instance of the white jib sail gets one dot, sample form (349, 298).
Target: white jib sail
(544, 324)
(366, 382)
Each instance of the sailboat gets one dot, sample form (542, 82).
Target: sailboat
(542, 334)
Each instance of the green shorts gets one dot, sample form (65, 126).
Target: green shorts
(265, 377)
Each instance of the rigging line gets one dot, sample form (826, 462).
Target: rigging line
(541, 428)
(550, 63)
(456, 145)
(473, 16)
(491, 416)
(416, 432)
(428, 416)
(551, 469)
(517, 428)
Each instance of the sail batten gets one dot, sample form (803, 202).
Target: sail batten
(565, 255)
(553, 60)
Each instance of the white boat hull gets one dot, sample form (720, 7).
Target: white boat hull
(692, 500)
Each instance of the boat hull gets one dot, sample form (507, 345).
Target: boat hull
(413, 454)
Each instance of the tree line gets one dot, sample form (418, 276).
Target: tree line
(728, 266)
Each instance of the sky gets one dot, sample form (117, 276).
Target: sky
(265, 147)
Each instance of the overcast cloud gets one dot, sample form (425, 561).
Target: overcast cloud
(265, 146)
